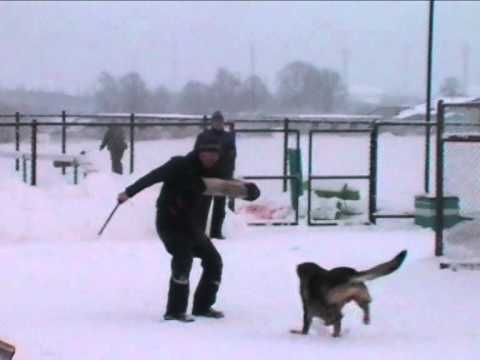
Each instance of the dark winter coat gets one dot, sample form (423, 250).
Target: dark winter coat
(179, 202)
(114, 139)
(228, 149)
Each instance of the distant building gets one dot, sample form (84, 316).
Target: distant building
(388, 112)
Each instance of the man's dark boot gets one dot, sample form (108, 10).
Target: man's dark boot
(177, 301)
(204, 297)
(210, 313)
(217, 236)
(179, 317)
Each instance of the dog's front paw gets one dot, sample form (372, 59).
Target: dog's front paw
(298, 332)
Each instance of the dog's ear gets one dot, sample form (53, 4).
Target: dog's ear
(306, 269)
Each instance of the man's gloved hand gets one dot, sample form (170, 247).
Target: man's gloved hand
(253, 192)
(122, 197)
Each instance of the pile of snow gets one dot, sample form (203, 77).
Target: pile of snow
(69, 294)
(419, 110)
(462, 241)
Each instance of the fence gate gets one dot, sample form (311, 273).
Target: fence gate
(267, 182)
(457, 216)
(341, 177)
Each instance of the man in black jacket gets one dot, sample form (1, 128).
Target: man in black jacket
(114, 140)
(226, 167)
(179, 225)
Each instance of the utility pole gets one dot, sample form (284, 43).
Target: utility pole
(345, 66)
(429, 95)
(174, 64)
(466, 67)
(406, 69)
(252, 72)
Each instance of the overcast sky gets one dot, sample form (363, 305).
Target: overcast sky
(65, 45)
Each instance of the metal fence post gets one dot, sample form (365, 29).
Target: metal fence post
(372, 207)
(24, 169)
(309, 181)
(285, 153)
(64, 137)
(33, 172)
(231, 126)
(204, 122)
(17, 139)
(429, 91)
(132, 142)
(439, 181)
(231, 201)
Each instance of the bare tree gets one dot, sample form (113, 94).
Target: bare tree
(451, 87)
(254, 94)
(134, 94)
(332, 92)
(194, 98)
(225, 90)
(107, 95)
(162, 100)
(304, 87)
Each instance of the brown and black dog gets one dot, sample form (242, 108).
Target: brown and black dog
(325, 292)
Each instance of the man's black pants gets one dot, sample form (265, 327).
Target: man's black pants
(116, 157)
(183, 246)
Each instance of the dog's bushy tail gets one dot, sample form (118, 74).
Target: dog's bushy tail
(381, 269)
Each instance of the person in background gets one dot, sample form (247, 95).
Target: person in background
(114, 140)
(226, 168)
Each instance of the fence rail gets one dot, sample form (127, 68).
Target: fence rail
(132, 121)
(283, 125)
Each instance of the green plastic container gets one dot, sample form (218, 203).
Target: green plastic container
(295, 168)
(426, 208)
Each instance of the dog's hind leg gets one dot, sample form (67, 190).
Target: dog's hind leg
(363, 299)
(307, 322)
(337, 328)
(365, 306)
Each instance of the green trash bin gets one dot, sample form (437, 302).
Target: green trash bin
(426, 211)
(295, 169)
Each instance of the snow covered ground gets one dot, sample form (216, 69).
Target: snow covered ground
(68, 294)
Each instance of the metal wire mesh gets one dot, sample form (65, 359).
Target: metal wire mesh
(461, 180)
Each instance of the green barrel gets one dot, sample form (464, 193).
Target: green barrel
(426, 208)
(295, 169)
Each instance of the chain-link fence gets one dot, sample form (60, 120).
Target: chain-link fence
(457, 215)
